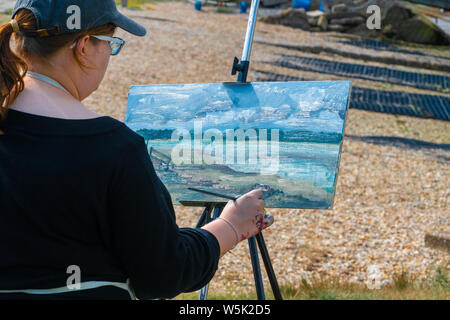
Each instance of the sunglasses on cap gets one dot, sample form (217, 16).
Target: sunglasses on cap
(115, 43)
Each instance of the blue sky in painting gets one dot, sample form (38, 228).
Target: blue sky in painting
(313, 106)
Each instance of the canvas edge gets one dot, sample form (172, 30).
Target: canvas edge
(127, 110)
(228, 83)
(340, 146)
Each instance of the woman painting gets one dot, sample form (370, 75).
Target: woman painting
(82, 211)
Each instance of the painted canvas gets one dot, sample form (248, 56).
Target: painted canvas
(230, 138)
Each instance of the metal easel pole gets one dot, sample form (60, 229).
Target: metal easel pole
(243, 66)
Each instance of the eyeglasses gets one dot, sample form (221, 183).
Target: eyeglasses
(115, 43)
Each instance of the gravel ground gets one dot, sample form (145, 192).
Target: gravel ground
(387, 196)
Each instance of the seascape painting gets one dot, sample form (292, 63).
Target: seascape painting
(230, 138)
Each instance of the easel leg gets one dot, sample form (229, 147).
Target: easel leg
(268, 265)
(203, 218)
(256, 269)
(216, 212)
(204, 293)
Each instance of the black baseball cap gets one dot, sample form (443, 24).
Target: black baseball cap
(66, 16)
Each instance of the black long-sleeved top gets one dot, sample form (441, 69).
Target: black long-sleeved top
(85, 193)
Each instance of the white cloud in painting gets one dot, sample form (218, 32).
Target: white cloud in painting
(215, 106)
(247, 115)
(218, 118)
(329, 121)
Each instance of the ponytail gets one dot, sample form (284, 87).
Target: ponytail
(12, 69)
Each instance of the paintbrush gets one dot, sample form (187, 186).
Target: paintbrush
(214, 194)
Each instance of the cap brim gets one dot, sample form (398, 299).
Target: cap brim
(129, 25)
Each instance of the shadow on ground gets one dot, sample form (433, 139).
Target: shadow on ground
(405, 144)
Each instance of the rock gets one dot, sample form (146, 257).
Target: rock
(388, 31)
(295, 18)
(402, 22)
(313, 17)
(341, 21)
(342, 7)
(323, 23)
(421, 30)
(397, 14)
(312, 22)
(343, 15)
(337, 27)
(314, 14)
(348, 21)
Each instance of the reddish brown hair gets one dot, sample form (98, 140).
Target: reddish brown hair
(13, 66)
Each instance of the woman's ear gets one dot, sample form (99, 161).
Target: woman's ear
(82, 50)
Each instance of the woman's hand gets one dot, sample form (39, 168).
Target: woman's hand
(247, 214)
(240, 219)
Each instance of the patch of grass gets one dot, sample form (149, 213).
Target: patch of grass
(401, 281)
(441, 279)
(402, 287)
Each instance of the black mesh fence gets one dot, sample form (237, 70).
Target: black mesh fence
(433, 82)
